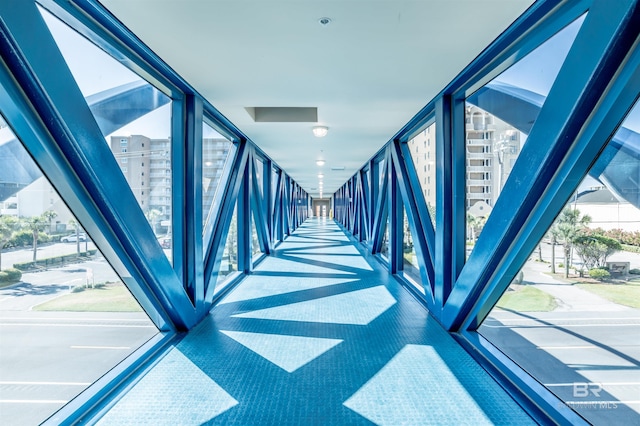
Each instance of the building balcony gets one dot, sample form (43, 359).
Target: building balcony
(479, 155)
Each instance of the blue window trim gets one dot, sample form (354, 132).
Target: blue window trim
(591, 97)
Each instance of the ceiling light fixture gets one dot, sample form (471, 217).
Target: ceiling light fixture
(320, 175)
(320, 163)
(320, 131)
(324, 21)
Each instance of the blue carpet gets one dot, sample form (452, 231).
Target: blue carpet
(317, 335)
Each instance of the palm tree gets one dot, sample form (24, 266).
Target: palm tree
(152, 216)
(553, 236)
(567, 227)
(8, 226)
(37, 224)
(73, 223)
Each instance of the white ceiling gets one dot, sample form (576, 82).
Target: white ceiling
(368, 72)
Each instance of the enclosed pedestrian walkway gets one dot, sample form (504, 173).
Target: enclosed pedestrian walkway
(318, 334)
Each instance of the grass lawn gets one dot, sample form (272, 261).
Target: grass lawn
(623, 294)
(527, 299)
(111, 298)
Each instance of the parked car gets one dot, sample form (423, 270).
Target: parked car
(72, 238)
(165, 242)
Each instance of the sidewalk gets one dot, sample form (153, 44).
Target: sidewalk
(568, 296)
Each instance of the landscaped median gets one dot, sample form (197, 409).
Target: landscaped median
(112, 297)
(524, 298)
(54, 261)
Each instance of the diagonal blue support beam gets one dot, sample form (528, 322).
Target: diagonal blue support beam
(223, 220)
(260, 215)
(380, 215)
(417, 215)
(364, 206)
(80, 161)
(601, 45)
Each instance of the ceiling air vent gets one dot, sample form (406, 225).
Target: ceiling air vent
(283, 114)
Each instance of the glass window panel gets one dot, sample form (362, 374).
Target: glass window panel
(423, 153)
(135, 119)
(365, 183)
(229, 263)
(56, 292)
(382, 171)
(410, 265)
(259, 170)
(255, 244)
(215, 153)
(499, 116)
(384, 248)
(570, 318)
(274, 186)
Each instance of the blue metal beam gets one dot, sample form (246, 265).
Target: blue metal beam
(81, 161)
(382, 210)
(188, 198)
(259, 213)
(417, 215)
(222, 221)
(600, 47)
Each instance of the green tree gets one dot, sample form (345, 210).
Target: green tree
(568, 226)
(36, 224)
(474, 226)
(594, 249)
(8, 226)
(152, 216)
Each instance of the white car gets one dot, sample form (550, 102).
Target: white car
(72, 238)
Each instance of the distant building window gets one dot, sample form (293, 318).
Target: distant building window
(142, 165)
(124, 160)
(123, 150)
(124, 169)
(123, 142)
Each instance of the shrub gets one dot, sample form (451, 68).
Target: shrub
(24, 237)
(77, 289)
(10, 275)
(13, 274)
(25, 266)
(634, 271)
(599, 274)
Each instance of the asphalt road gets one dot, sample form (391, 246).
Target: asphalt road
(48, 358)
(588, 359)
